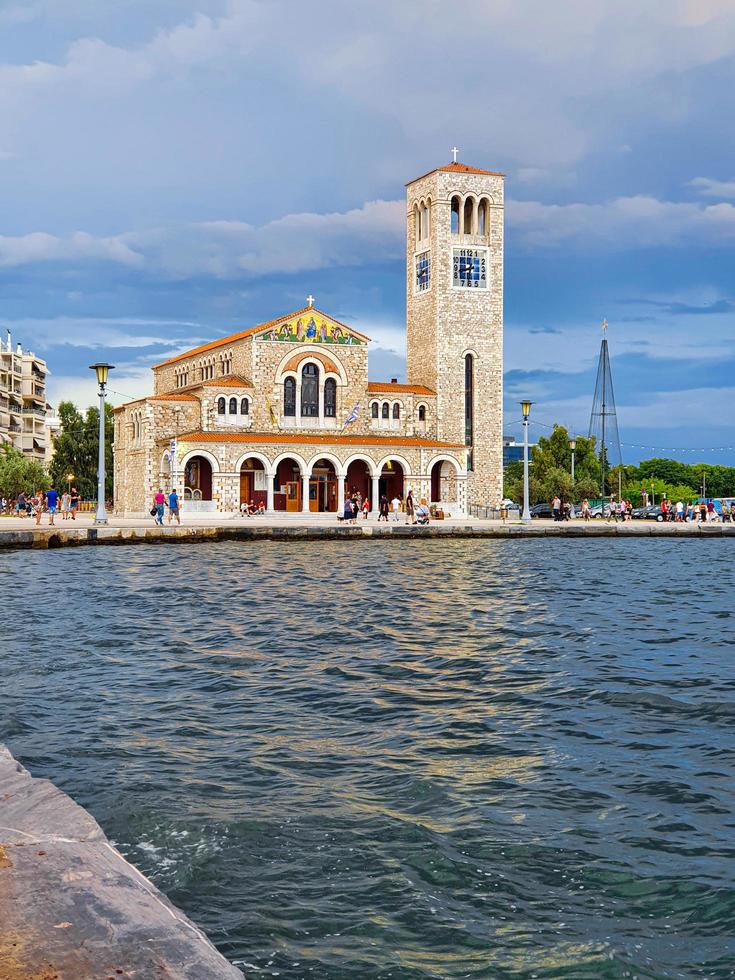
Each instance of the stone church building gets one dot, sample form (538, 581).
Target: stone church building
(283, 412)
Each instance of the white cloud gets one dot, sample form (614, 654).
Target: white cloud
(623, 224)
(708, 187)
(40, 246)
(372, 233)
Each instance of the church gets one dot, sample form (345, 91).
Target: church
(282, 413)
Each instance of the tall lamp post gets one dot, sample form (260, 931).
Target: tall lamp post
(526, 409)
(102, 369)
(572, 446)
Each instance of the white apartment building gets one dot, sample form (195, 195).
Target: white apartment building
(23, 405)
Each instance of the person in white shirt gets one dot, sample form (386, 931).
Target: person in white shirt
(396, 507)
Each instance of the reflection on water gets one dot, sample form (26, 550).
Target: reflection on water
(373, 760)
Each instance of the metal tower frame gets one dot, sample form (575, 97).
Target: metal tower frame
(603, 418)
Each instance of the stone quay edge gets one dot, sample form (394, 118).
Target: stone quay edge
(72, 907)
(62, 537)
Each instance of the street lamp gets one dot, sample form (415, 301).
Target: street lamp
(526, 409)
(102, 370)
(69, 480)
(572, 446)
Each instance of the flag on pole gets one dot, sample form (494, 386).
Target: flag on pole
(274, 418)
(352, 417)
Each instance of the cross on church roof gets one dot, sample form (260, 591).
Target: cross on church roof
(455, 151)
(310, 299)
(604, 326)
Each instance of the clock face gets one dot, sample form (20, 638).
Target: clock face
(469, 268)
(423, 272)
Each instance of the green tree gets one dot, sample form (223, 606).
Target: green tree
(19, 474)
(76, 449)
(550, 470)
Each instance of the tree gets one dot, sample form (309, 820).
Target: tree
(550, 470)
(19, 474)
(76, 449)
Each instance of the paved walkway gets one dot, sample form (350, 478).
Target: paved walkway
(23, 533)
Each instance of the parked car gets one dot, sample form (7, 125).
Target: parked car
(650, 513)
(544, 511)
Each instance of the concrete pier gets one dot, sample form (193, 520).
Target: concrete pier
(72, 907)
(23, 534)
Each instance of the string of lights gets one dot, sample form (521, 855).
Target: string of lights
(637, 445)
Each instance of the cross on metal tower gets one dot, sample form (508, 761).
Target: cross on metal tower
(603, 418)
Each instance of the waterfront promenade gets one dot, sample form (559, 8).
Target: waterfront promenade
(23, 532)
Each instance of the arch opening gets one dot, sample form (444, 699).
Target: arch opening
(198, 479)
(287, 485)
(391, 480)
(253, 482)
(323, 487)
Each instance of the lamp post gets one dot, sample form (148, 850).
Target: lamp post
(102, 370)
(526, 409)
(69, 480)
(572, 446)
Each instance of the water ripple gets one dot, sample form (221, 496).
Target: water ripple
(454, 760)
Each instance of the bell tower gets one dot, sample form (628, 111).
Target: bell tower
(454, 312)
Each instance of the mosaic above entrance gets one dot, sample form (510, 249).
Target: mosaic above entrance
(310, 329)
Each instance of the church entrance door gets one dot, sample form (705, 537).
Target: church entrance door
(293, 495)
(323, 487)
(246, 487)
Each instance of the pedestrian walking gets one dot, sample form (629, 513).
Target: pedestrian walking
(396, 508)
(383, 515)
(159, 503)
(586, 514)
(556, 507)
(174, 506)
(410, 518)
(74, 503)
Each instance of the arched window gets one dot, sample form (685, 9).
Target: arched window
(425, 223)
(233, 406)
(310, 391)
(385, 412)
(455, 215)
(289, 396)
(220, 406)
(417, 219)
(467, 224)
(330, 398)
(374, 410)
(469, 408)
(422, 413)
(482, 218)
(396, 410)
(244, 407)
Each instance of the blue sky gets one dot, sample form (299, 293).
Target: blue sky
(173, 170)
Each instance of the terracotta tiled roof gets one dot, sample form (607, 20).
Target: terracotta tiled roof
(317, 439)
(229, 381)
(389, 386)
(457, 168)
(253, 330)
(173, 396)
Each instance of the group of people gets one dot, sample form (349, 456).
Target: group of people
(356, 504)
(42, 502)
(699, 512)
(163, 501)
(252, 509)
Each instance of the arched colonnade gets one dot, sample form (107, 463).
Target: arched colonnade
(290, 482)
